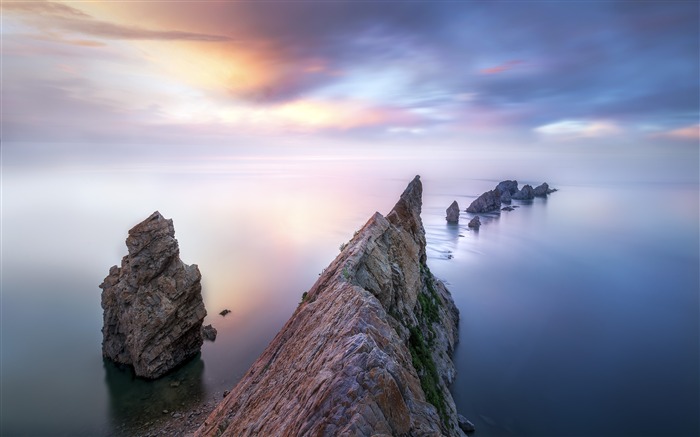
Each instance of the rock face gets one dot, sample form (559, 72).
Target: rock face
(209, 332)
(368, 352)
(505, 197)
(526, 193)
(153, 308)
(487, 202)
(510, 187)
(475, 223)
(453, 213)
(542, 190)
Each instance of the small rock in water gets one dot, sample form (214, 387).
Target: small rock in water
(175, 384)
(209, 332)
(475, 223)
(464, 424)
(507, 208)
(226, 392)
(452, 213)
(165, 411)
(224, 312)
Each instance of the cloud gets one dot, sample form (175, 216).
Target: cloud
(58, 16)
(691, 133)
(403, 67)
(571, 129)
(501, 68)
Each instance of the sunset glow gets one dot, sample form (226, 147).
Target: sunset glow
(315, 67)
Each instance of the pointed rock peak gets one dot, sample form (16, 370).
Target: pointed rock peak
(154, 227)
(407, 210)
(155, 216)
(154, 221)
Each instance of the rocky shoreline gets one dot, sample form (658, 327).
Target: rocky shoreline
(180, 423)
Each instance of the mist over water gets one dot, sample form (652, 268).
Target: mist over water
(579, 313)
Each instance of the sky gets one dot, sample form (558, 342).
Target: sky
(153, 72)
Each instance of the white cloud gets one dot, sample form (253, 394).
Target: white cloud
(579, 129)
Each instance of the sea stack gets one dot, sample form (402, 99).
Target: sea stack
(490, 201)
(452, 213)
(475, 223)
(368, 351)
(153, 307)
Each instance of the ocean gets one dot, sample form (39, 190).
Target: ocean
(579, 312)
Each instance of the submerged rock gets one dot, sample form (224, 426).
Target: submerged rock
(153, 308)
(209, 332)
(452, 213)
(367, 353)
(465, 424)
(487, 202)
(526, 193)
(475, 223)
(224, 312)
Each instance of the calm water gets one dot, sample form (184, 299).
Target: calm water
(579, 312)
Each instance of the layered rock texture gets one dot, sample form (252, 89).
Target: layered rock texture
(153, 308)
(367, 352)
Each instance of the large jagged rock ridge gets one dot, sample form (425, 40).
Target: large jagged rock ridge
(153, 307)
(367, 352)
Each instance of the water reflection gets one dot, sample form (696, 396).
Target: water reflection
(134, 401)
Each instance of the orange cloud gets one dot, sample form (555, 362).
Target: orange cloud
(48, 15)
(309, 115)
(691, 132)
(501, 68)
(323, 114)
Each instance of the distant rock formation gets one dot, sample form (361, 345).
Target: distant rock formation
(488, 202)
(505, 197)
(543, 190)
(153, 308)
(366, 353)
(504, 192)
(475, 223)
(510, 187)
(452, 213)
(526, 193)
